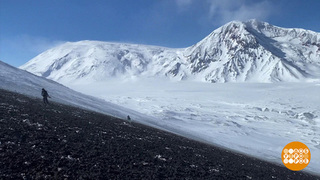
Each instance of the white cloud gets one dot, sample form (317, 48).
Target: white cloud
(223, 11)
(16, 50)
(219, 12)
(31, 43)
(183, 4)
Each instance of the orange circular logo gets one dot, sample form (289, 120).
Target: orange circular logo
(296, 156)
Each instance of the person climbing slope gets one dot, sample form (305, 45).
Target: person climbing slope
(45, 96)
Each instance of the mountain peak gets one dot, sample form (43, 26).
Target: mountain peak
(231, 26)
(251, 22)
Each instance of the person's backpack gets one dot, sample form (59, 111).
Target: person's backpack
(44, 93)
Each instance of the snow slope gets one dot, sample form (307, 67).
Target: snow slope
(256, 51)
(16, 80)
(236, 52)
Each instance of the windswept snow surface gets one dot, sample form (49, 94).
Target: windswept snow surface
(20, 81)
(257, 119)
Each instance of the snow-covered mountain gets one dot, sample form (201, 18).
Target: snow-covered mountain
(236, 52)
(256, 51)
(94, 60)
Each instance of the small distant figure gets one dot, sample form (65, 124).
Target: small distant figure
(45, 96)
(128, 118)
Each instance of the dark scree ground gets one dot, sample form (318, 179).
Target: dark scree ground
(63, 142)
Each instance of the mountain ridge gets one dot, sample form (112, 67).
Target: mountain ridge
(250, 51)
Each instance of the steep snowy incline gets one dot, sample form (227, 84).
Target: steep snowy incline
(23, 82)
(297, 48)
(251, 51)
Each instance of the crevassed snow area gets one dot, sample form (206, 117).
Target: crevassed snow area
(257, 119)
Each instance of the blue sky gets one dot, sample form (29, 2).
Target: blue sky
(29, 27)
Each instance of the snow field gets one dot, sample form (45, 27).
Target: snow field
(257, 119)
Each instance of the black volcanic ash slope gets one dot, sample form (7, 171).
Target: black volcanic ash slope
(58, 142)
